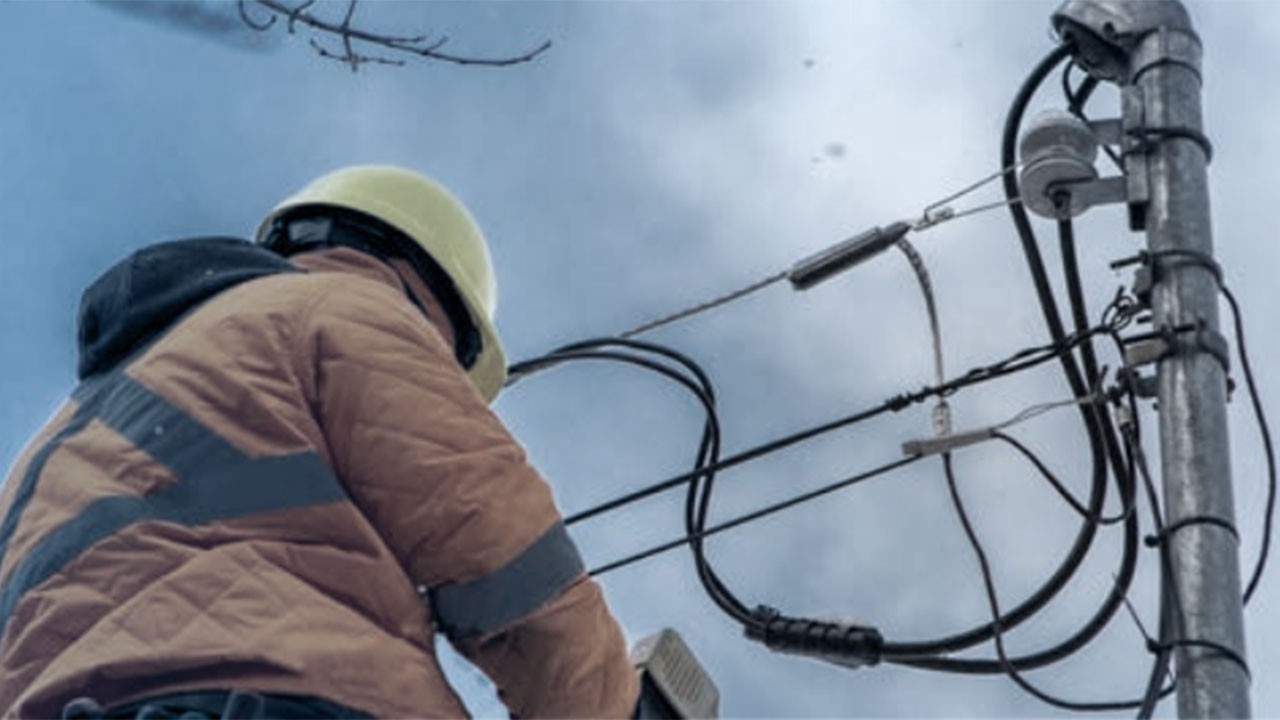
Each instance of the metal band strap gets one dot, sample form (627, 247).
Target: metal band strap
(215, 481)
(534, 578)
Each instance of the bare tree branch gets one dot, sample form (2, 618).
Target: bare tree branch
(353, 60)
(349, 35)
(293, 15)
(259, 26)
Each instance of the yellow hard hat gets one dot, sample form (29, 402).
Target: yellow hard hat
(434, 219)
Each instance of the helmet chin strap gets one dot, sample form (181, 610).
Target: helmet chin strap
(422, 296)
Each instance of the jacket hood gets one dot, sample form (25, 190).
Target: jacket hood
(146, 292)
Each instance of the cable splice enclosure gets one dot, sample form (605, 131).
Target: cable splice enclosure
(849, 645)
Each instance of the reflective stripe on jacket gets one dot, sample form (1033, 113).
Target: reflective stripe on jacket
(256, 501)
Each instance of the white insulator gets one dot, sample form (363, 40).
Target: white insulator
(1058, 150)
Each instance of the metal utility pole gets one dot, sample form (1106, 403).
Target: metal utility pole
(1150, 49)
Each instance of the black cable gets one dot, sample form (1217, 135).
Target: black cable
(1156, 689)
(1103, 445)
(1099, 620)
(1265, 431)
(1170, 607)
(755, 515)
(1007, 666)
(1171, 615)
(1096, 442)
(1025, 359)
(1125, 482)
(1021, 221)
(1118, 315)
(915, 654)
(699, 492)
(1072, 103)
(709, 446)
(1065, 648)
(733, 460)
(1076, 100)
(1208, 263)
(1022, 360)
(1057, 485)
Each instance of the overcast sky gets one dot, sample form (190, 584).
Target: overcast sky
(659, 154)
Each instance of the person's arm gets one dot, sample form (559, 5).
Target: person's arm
(452, 494)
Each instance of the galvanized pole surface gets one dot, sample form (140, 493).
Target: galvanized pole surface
(1161, 79)
(1194, 453)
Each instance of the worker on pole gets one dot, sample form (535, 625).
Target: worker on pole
(279, 476)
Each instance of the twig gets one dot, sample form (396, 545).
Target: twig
(350, 34)
(244, 16)
(293, 14)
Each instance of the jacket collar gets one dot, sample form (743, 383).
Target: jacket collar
(394, 274)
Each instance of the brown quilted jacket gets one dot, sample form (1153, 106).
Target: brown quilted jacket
(282, 481)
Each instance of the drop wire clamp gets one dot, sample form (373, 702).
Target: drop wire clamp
(946, 443)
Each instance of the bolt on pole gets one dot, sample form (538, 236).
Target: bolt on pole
(1150, 49)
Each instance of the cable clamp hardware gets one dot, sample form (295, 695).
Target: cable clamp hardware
(1145, 139)
(842, 643)
(1164, 342)
(1154, 266)
(1144, 386)
(945, 443)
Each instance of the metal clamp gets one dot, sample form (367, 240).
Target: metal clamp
(1163, 342)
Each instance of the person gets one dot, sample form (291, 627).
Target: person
(279, 476)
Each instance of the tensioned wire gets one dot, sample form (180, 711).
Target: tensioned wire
(1017, 362)
(934, 214)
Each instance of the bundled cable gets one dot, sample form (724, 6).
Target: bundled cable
(1114, 451)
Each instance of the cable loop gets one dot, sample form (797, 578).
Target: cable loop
(1121, 311)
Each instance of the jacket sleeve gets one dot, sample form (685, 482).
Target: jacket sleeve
(450, 491)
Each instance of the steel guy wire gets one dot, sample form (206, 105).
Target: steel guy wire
(705, 306)
(934, 214)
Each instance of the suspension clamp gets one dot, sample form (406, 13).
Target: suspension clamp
(842, 643)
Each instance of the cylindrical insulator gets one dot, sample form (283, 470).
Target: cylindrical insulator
(1057, 149)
